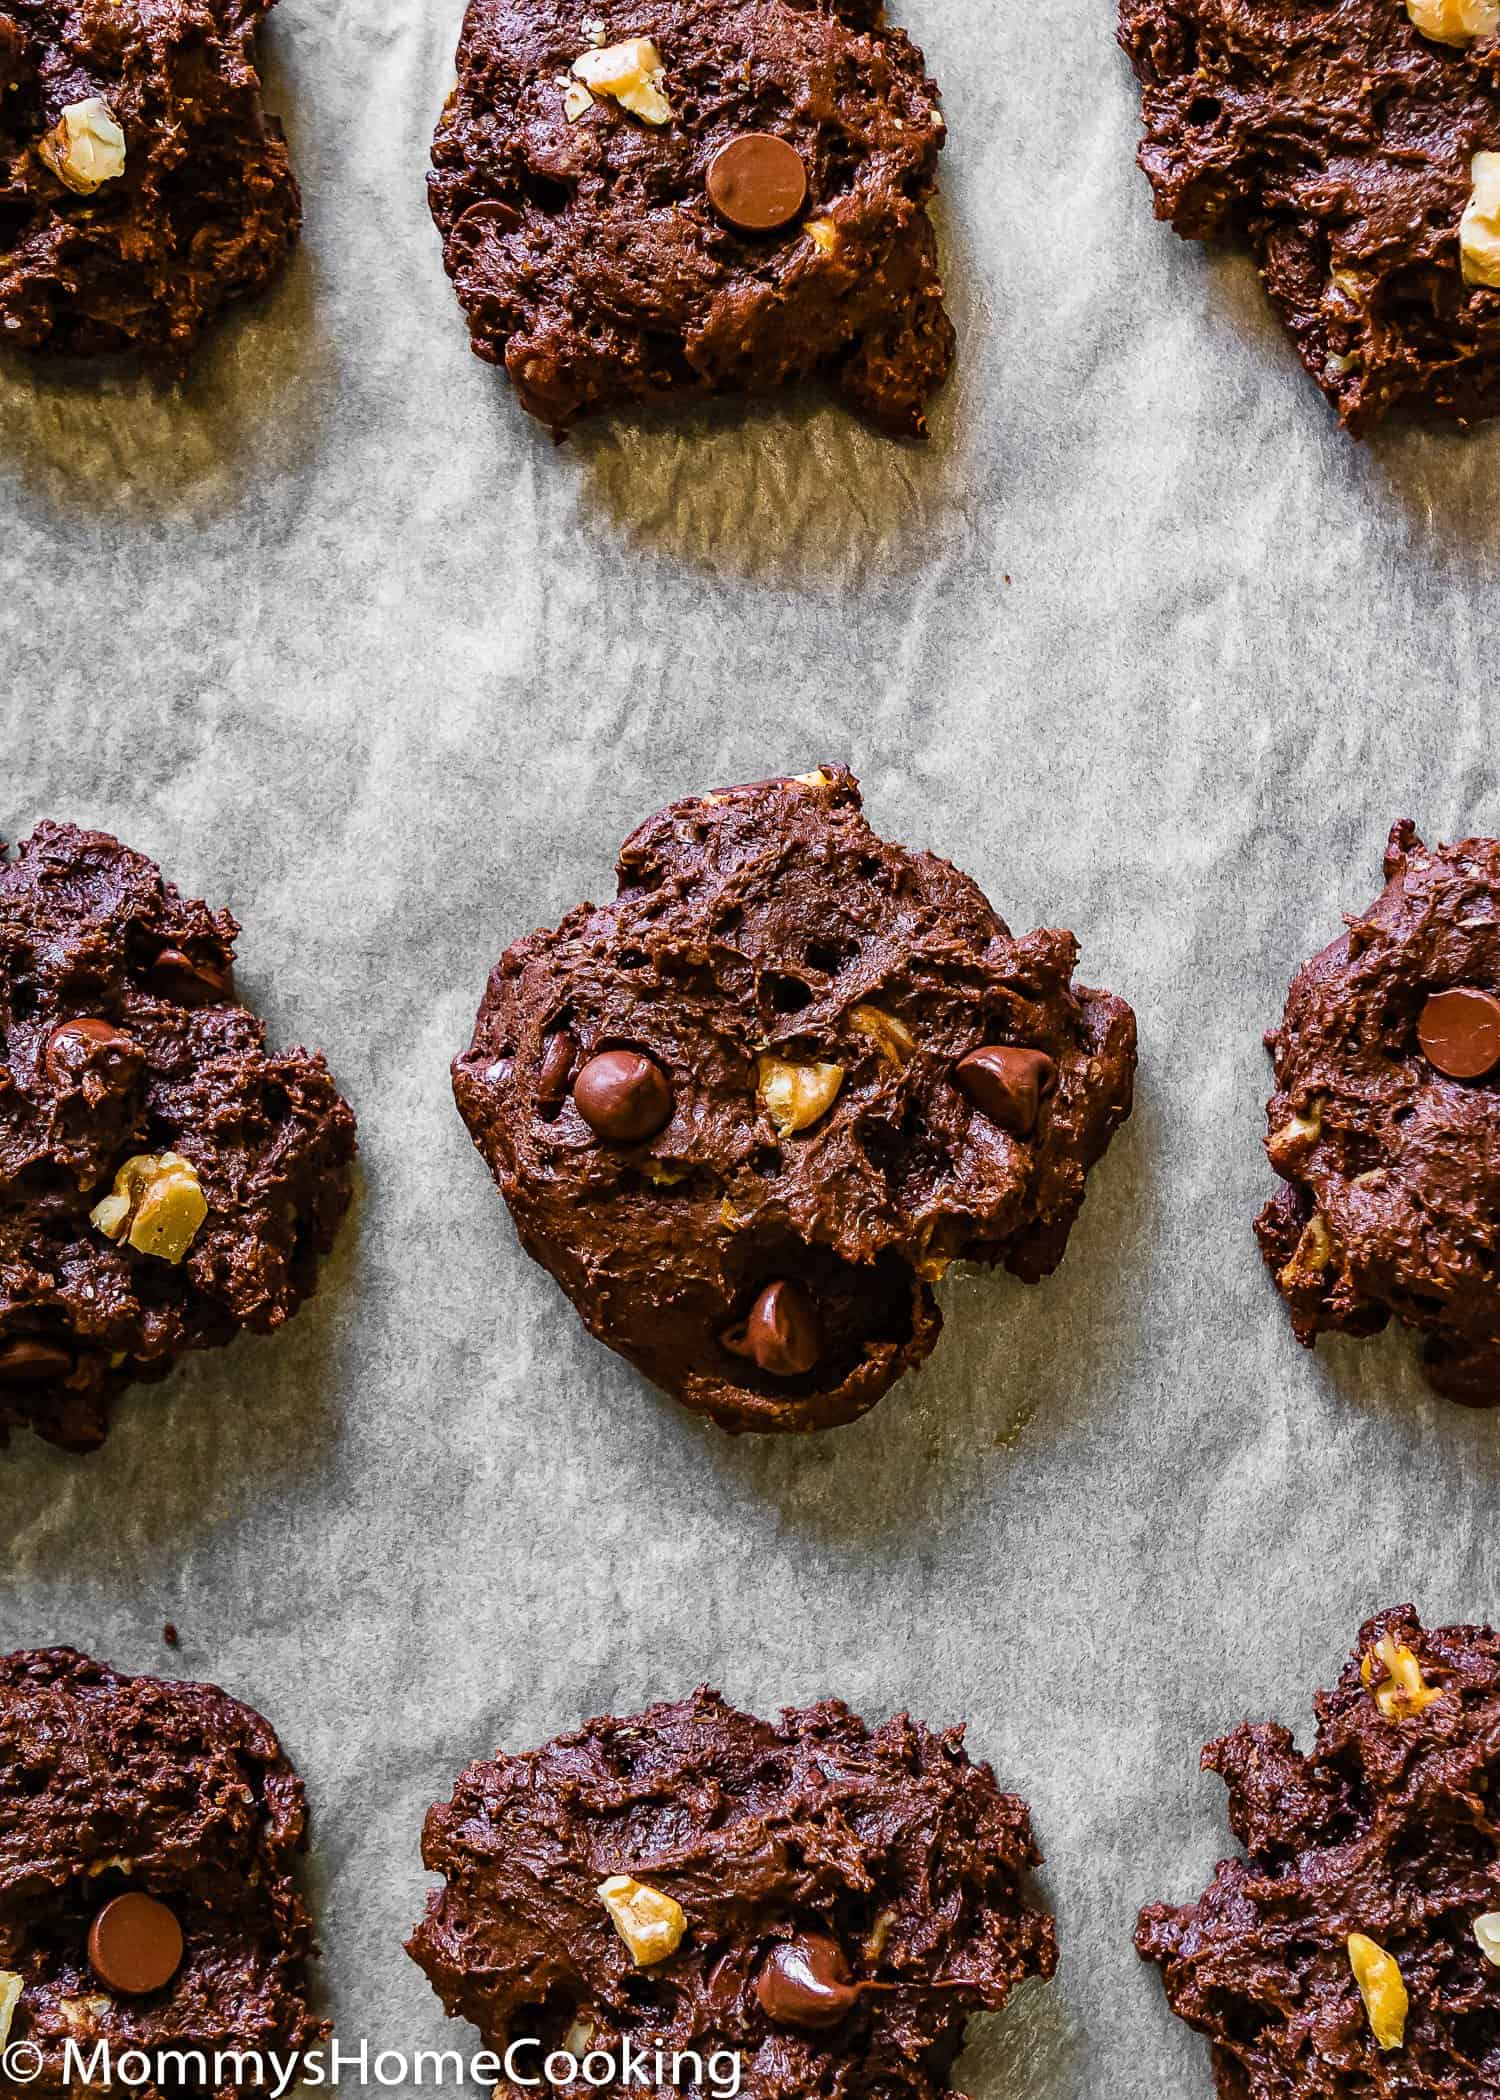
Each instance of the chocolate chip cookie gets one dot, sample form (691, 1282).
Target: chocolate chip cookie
(1385, 1123)
(1352, 145)
(749, 1113)
(694, 200)
(164, 1179)
(150, 1834)
(827, 1901)
(1356, 1950)
(142, 187)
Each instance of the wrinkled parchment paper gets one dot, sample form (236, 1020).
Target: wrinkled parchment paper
(339, 637)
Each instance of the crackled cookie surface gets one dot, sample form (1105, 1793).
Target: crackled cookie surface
(149, 1834)
(142, 187)
(694, 200)
(830, 1901)
(1351, 144)
(165, 1180)
(748, 1113)
(1355, 1949)
(1385, 1122)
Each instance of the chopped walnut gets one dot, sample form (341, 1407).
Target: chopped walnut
(1402, 1691)
(1479, 228)
(650, 1922)
(85, 147)
(796, 1096)
(157, 1203)
(10, 1997)
(632, 73)
(1297, 1134)
(1457, 22)
(1381, 1987)
(892, 1038)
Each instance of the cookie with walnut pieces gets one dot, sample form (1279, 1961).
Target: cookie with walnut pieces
(152, 1834)
(142, 186)
(1385, 1122)
(1354, 147)
(748, 1113)
(165, 1180)
(694, 200)
(826, 1902)
(1355, 1949)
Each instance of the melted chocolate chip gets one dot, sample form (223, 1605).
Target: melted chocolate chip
(806, 1983)
(177, 975)
(86, 1041)
(1007, 1084)
(28, 1360)
(135, 1944)
(1460, 1032)
(783, 1334)
(757, 182)
(623, 1096)
(558, 1055)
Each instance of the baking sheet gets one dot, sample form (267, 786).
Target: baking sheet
(339, 637)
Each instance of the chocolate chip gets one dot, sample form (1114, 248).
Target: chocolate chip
(28, 1360)
(1007, 1084)
(135, 1944)
(74, 1044)
(783, 1334)
(757, 182)
(558, 1054)
(623, 1096)
(176, 975)
(805, 1983)
(1460, 1032)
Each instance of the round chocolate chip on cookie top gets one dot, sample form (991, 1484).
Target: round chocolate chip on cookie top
(142, 186)
(1355, 1949)
(151, 1834)
(1385, 1123)
(817, 1903)
(748, 1113)
(696, 200)
(164, 1179)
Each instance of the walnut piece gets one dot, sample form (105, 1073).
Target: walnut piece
(650, 1923)
(1402, 1691)
(1297, 1134)
(1487, 1933)
(892, 1038)
(10, 1998)
(1479, 228)
(1455, 21)
(632, 73)
(157, 1203)
(1312, 1254)
(85, 147)
(823, 234)
(1381, 1988)
(795, 1096)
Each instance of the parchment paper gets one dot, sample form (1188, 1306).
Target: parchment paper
(338, 636)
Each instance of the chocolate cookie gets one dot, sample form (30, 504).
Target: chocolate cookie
(141, 185)
(164, 1179)
(826, 1901)
(1351, 144)
(1357, 1950)
(149, 1834)
(749, 1113)
(1385, 1123)
(695, 200)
